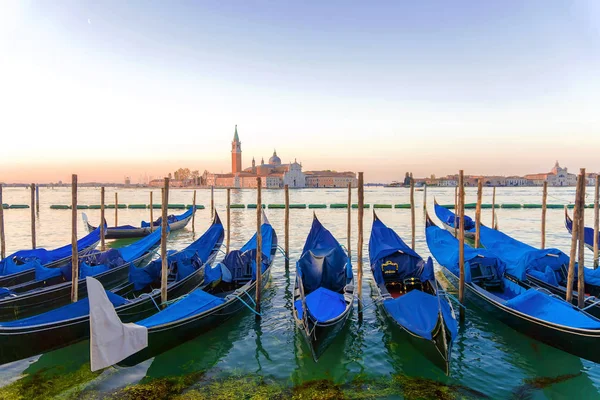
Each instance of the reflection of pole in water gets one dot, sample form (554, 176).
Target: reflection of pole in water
(259, 347)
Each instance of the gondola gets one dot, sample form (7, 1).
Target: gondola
(52, 287)
(323, 291)
(229, 288)
(543, 268)
(20, 267)
(588, 232)
(407, 292)
(176, 222)
(137, 300)
(533, 312)
(448, 218)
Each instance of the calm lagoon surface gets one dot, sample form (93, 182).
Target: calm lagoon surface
(268, 358)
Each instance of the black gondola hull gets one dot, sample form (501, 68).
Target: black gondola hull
(321, 334)
(579, 342)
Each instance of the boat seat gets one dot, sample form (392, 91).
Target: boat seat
(412, 283)
(485, 276)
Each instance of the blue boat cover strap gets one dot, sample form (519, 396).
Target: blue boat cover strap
(195, 303)
(448, 217)
(549, 308)
(416, 311)
(74, 310)
(323, 305)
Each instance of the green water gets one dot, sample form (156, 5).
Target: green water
(268, 359)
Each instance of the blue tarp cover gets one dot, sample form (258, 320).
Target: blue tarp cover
(548, 308)
(139, 248)
(588, 234)
(416, 311)
(171, 218)
(44, 256)
(73, 310)
(195, 303)
(386, 247)
(519, 257)
(323, 262)
(444, 248)
(323, 305)
(448, 217)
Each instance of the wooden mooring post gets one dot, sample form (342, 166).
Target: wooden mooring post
(286, 228)
(163, 245)
(37, 199)
(259, 212)
(116, 209)
(478, 213)
(412, 212)
(212, 201)
(349, 222)
(102, 234)
(359, 247)
(581, 250)
(151, 213)
(461, 243)
(596, 220)
(33, 216)
(228, 241)
(574, 238)
(2, 238)
(544, 199)
(75, 255)
(456, 213)
(194, 214)
(493, 208)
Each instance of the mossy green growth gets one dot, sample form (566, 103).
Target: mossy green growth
(157, 389)
(49, 383)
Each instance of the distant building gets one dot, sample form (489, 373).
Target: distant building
(557, 177)
(330, 179)
(274, 174)
(127, 181)
(518, 181)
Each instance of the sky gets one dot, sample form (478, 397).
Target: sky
(140, 88)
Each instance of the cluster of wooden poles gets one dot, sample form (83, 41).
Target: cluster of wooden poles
(577, 236)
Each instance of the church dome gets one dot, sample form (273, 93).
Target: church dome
(274, 160)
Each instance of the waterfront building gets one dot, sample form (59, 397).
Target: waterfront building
(557, 177)
(330, 179)
(518, 181)
(274, 173)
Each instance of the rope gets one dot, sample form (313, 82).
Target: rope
(282, 251)
(246, 304)
(444, 293)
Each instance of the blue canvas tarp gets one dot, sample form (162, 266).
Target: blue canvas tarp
(588, 233)
(171, 218)
(386, 247)
(519, 257)
(323, 262)
(444, 248)
(448, 217)
(323, 305)
(195, 303)
(43, 256)
(417, 311)
(139, 248)
(548, 308)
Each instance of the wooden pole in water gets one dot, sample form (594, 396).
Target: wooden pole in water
(258, 244)
(359, 247)
(581, 262)
(574, 237)
(456, 213)
(37, 199)
(461, 242)
(493, 207)
(228, 221)
(151, 213)
(412, 212)
(33, 215)
(2, 238)
(212, 201)
(102, 236)
(286, 190)
(349, 219)
(75, 256)
(116, 209)
(163, 245)
(478, 213)
(596, 220)
(544, 198)
(194, 214)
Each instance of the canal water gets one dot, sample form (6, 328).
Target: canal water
(268, 359)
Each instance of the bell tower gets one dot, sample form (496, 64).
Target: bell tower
(236, 153)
